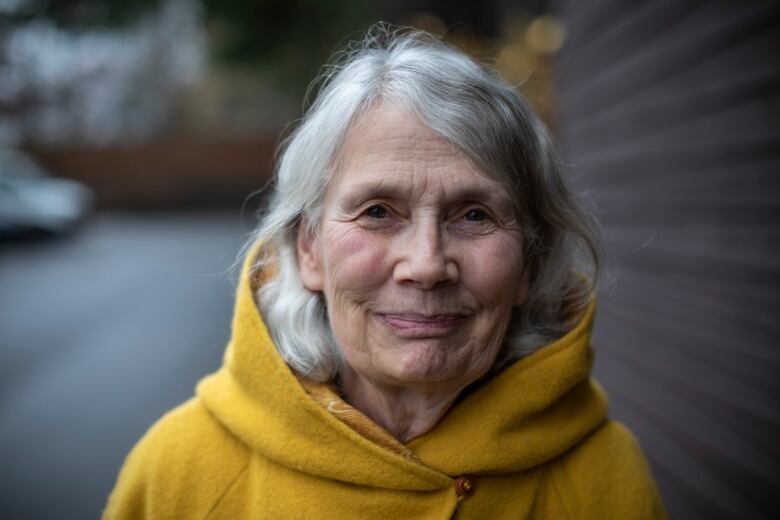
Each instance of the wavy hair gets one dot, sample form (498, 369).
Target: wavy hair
(467, 104)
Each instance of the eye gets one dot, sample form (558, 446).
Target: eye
(473, 221)
(475, 215)
(376, 212)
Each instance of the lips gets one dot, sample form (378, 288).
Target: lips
(422, 325)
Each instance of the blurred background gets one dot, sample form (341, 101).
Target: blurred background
(136, 137)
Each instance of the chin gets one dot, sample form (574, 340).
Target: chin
(427, 363)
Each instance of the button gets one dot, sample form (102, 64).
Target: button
(464, 485)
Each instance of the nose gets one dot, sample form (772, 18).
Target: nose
(424, 259)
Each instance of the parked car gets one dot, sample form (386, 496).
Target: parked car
(33, 202)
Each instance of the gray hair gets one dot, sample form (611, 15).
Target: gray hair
(471, 107)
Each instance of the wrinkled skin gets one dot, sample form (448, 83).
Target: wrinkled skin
(419, 257)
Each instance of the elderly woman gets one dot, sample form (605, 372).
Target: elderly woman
(411, 334)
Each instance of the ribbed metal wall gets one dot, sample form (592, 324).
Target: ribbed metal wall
(669, 119)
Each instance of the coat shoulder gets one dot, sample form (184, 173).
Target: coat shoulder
(180, 468)
(607, 476)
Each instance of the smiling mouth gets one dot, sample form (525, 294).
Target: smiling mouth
(421, 325)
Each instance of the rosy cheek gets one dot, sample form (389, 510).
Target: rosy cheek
(356, 258)
(493, 267)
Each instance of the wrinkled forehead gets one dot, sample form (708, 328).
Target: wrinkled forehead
(390, 146)
(389, 124)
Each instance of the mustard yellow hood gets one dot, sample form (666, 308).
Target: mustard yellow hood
(530, 413)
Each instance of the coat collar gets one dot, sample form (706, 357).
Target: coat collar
(531, 412)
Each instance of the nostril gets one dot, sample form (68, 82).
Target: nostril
(424, 258)
(428, 270)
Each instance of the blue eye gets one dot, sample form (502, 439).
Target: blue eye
(377, 212)
(475, 215)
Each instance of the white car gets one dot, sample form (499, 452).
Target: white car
(33, 202)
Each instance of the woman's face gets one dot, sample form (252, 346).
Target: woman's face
(418, 254)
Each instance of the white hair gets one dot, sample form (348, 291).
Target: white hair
(471, 107)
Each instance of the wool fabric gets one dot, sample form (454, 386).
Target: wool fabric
(532, 442)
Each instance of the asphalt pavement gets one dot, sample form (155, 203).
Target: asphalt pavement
(102, 332)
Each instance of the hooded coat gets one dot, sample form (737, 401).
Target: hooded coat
(259, 442)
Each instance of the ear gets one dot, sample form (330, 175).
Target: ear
(523, 287)
(309, 266)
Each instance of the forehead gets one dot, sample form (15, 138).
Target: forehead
(389, 145)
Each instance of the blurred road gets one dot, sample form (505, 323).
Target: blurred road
(100, 334)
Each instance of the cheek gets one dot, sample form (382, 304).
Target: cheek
(493, 268)
(354, 260)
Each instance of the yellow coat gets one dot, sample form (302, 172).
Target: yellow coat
(533, 442)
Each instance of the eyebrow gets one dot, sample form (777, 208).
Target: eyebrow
(360, 193)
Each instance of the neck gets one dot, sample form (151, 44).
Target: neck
(405, 412)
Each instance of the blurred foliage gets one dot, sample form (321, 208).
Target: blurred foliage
(87, 13)
(259, 29)
(287, 39)
(272, 49)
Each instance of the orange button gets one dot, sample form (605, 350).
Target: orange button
(464, 485)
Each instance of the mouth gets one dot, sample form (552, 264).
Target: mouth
(414, 325)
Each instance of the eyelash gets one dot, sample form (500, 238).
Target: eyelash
(370, 213)
(482, 213)
(367, 212)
